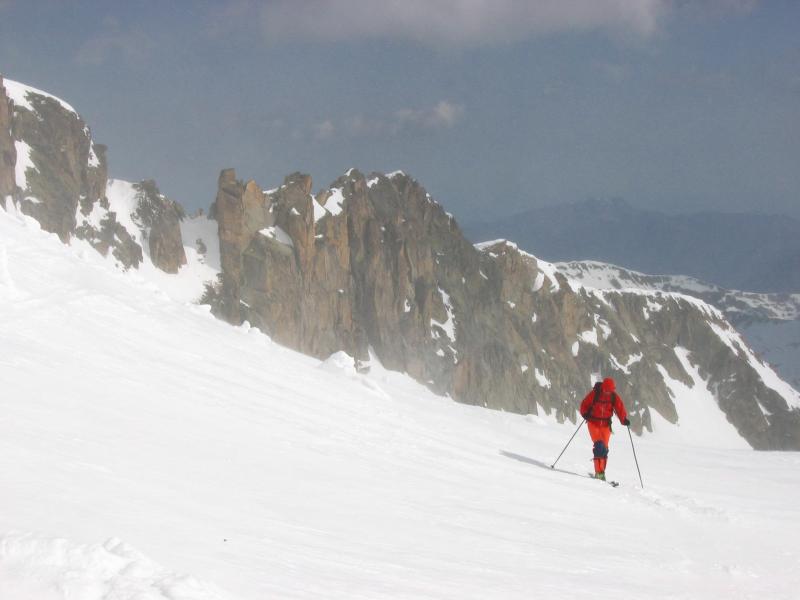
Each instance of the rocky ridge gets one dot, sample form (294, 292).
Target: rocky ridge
(54, 172)
(770, 323)
(373, 264)
(375, 267)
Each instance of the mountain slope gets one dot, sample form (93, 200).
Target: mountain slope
(736, 251)
(133, 420)
(373, 262)
(374, 265)
(770, 323)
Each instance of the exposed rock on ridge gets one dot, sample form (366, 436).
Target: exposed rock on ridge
(159, 219)
(8, 153)
(50, 166)
(769, 323)
(377, 264)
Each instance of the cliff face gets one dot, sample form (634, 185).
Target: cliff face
(377, 264)
(159, 219)
(8, 153)
(50, 166)
(60, 168)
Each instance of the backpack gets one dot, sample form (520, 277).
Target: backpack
(598, 391)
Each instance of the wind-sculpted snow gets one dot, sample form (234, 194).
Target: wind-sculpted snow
(33, 567)
(20, 94)
(231, 463)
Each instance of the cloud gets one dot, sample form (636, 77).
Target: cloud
(455, 22)
(324, 130)
(112, 41)
(443, 115)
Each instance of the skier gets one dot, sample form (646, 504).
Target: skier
(597, 408)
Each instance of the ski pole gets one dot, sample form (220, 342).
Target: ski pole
(634, 457)
(568, 443)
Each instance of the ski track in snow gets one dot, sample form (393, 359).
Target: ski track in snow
(128, 415)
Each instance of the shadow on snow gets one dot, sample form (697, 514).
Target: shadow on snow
(540, 464)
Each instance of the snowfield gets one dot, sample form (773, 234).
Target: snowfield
(151, 452)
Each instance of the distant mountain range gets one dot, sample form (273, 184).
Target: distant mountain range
(734, 250)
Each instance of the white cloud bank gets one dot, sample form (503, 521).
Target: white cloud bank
(456, 22)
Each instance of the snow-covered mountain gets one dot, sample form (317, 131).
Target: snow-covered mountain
(374, 265)
(150, 451)
(770, 323)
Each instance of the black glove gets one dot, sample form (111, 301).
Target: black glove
(626, 422)
(586, 416)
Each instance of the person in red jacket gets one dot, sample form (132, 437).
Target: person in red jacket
(597, 408)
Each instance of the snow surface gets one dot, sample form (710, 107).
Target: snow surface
(198, 270)
(279, 235)
(18, 93)
(149, 451)
(541, 378)
(626, 367)
(320, 211)
(780, 345)
(24, 162)
(734, 341)
(698, 412)
(589, 336)
(335, 202)
(448, 326)
(122, 201)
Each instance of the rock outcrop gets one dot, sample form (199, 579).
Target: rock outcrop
(375, 264)
(8, 153)
(61, 169)
(160, 218)
(50, 166)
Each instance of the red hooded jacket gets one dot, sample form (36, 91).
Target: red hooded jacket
(607, 403)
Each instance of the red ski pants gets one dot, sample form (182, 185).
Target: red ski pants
(601, 434)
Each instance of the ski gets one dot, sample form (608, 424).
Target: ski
(610, 482)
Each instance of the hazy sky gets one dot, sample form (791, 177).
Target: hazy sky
(493, 105)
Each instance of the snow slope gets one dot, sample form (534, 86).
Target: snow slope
(150, 451)
(197, 232)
